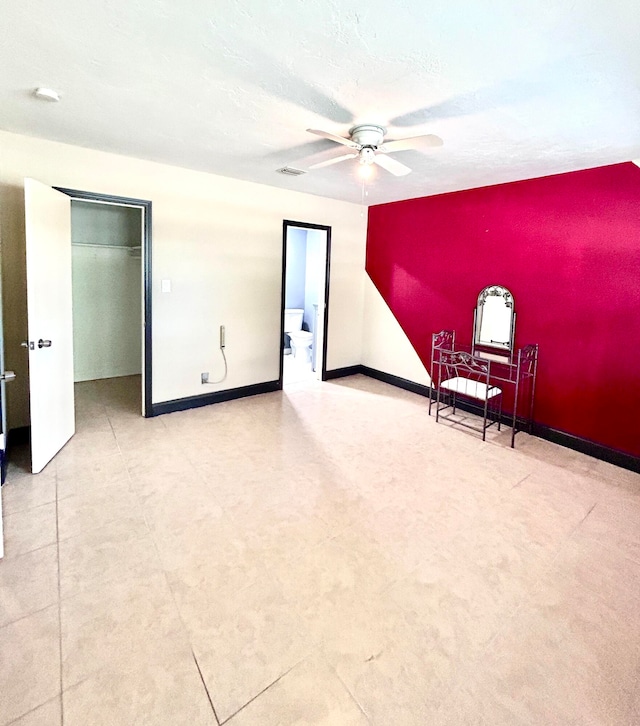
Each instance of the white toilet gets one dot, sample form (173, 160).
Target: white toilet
(301, 340)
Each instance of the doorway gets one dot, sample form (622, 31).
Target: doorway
(305, 297)
(111, 296)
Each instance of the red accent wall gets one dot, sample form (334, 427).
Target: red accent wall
(568, 248)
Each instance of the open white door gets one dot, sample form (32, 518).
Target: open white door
(4, 377)
(50, 320)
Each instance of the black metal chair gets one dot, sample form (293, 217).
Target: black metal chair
(445, 340)
(468, 376)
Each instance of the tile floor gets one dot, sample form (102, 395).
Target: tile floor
(297, 369)
(326, 555)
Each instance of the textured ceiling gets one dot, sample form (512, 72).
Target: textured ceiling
(515, 89)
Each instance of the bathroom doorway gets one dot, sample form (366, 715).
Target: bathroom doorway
(305, 297)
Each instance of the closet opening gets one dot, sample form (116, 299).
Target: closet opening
(111, 298)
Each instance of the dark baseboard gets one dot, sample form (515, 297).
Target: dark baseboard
(22, 435)
(584, 446)
(342, 372)
(15, 437)
(380, 376)
(396, 381)
(569, 441)
(183, 404)
(18, 436)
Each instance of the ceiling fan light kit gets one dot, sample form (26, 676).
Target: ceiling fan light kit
(367, 142)
(367, 155)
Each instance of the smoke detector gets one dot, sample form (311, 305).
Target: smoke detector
(47, 94)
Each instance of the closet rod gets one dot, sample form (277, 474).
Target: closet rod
(109, 247)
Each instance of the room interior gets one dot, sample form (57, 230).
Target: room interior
(417, 573)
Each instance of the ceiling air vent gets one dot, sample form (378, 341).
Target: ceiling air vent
(290, 171)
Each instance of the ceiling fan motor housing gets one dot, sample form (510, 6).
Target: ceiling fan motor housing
(367, 135)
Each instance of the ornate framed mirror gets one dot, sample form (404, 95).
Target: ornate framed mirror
(494, 320)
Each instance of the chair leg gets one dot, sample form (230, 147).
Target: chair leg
(454, 403)
(437, 404)
(484, 422)
(500, 413)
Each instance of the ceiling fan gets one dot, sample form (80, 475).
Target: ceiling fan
(367, 142)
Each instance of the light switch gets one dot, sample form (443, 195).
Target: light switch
(165, 285)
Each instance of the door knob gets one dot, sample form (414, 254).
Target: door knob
(44, 343)
(7, 376)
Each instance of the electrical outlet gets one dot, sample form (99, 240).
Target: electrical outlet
(204, 377)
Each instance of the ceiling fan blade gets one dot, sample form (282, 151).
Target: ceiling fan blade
(335, 160)
(334, 137)
(413, 142)
(391, 165)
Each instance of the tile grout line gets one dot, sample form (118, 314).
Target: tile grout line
(511, 616)
(562, 545)
(179, 614)
(59, 607)
(59, 585)
(617, 551)
(29, 509)
(30, 711)
(521, 481)
(264, 690)
(26, 615)
(580, 523)
(206, 690)
(602, 545)
(22, 509)
(168, 583)
(13, 558)
(351, 695)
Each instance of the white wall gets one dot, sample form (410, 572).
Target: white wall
(385, 345)
(107, 290)
(218, 240)
(296, 266)
(105, 224)
(314, 273)
(315, 277)
(107, 313)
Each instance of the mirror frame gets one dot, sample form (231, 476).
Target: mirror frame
(497, 349)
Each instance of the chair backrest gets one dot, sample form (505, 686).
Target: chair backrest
(444, 340)
(458, 364)
(527, 359)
